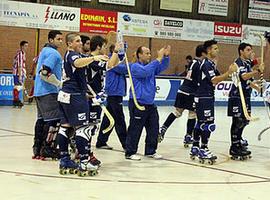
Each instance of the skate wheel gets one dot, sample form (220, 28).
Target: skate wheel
(186, 145)
(63, 171)
(93, 173)
(210, 162)
(73, 171)
(201, 161)
(242, 158)
(82, 173)
(192, 157)
(42, 158)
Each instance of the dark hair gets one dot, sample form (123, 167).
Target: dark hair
(139, 51)
(200, 50)
(189, 57)
(52, 34)
(23, 43)
(242, 46)
(111, 48)
(84, 39)
(97, 41)
(209, 43)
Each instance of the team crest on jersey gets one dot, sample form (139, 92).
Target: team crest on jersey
(207, 113)
(235, 109)
(212, 73)
(81, 116)
(93, 115)
(74, 57)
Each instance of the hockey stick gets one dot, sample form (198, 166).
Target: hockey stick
(138, 106)
(262, 132)
(243, 101)
(106, 112)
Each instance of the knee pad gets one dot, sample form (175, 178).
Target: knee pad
(85, 132)
(178, 113)
(192, 115)
(51, 129)
(208, 126)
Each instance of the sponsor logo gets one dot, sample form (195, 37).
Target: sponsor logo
(93, 115)
(59, 14)
(235, 109)
(17, 14)
(81, 116)
(207, 113)
(226, 29)
(157, 22)
(173, 23)
(126, 18)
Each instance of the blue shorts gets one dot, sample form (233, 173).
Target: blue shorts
(94, 112)
(76, 113)
(205, 108)
(184, 101)
(235, 107)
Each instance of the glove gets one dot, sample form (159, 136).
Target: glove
(100, 98)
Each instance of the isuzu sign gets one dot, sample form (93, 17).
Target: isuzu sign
(228, 29)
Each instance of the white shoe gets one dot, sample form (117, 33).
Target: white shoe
(133, 157)
(155, 156)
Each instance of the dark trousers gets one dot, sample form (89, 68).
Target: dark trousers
(115, 107)
(138, 119)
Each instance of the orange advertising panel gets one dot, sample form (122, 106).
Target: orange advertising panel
(97, 21)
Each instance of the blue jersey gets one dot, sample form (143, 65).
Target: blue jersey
(191, 81)
(244, 67)
(208, 72)
(49, 57)
(115, 82)
(95, 75)
(74, 78)
(144, 79)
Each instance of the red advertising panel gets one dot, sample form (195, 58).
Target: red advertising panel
(97, 21)
(228, 29)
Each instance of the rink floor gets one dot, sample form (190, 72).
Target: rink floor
(174, 177)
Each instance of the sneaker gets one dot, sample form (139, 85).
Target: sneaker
(155, 156)
(133, 157)
(104, 147)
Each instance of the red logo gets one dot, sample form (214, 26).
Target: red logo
(47, 14)
(228, 29)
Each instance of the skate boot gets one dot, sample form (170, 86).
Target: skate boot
(49, 152)
(239, 153)
(36, 152)
(94, 161)
(194, 152)
(86, 168)
(68, 166)
(187, 140)
(161, 133)
(206, 155)
(244, 143)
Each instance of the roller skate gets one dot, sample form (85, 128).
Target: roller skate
(161, 133)
(244, 143)
(68, 166)
(49, 152)
(94, 161)
(86, 168)
(187, 140)
(206, 155)
(239, 153)
(194, 152)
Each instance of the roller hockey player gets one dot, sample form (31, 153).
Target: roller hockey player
(238, 149)
(204, 99)
(185, 98)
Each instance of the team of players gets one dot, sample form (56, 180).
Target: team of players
(80, 91)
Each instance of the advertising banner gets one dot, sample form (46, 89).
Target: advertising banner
(213, 7)
(249, 32)
(134, 24)
(259, 9)
(228, 32)
(98, 21)
(119, 2)
(176, 5)
(30, 15)
(6, 87)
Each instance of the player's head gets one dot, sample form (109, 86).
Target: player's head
(85, 43)
(211, 48)
(55, 37)
(143, 54)
(189, 59)
(23, 45)
(200, 51)
(245, 50)
(73, 41)
(99, 44)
